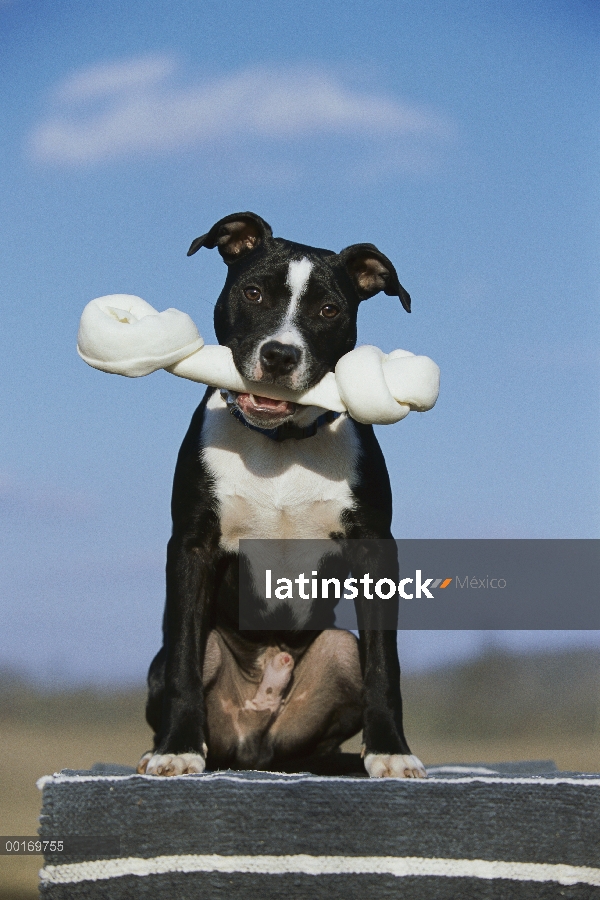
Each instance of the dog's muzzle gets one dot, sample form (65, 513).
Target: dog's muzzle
(279, 359)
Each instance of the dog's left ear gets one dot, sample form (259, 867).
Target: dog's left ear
(372, 272)
(234, 236)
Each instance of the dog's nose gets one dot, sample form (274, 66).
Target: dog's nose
(279, 359)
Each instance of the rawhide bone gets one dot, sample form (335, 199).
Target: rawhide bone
(124, 335)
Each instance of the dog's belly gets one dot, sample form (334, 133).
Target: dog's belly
(268, 490)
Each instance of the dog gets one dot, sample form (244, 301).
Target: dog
(254, 467)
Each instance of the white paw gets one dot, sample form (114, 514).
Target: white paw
(394, 765)
(172, 764)
(143, 763)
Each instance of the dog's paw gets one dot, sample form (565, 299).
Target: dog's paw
(394, 765)
(172, 763)
(143, 763)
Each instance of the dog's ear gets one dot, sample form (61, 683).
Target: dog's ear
(372, 272)
(234, 236)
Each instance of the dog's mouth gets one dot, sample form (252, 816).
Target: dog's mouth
(263, 411)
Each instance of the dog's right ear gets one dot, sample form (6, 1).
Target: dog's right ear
(234, 236)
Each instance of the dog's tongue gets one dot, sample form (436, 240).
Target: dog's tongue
(265, 405)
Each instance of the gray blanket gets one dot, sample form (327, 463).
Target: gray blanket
(508, 831)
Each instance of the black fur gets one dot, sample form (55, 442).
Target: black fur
(202, 578)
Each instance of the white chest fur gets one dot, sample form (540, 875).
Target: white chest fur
(268, 490)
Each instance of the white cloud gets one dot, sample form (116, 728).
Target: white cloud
(125, 108)
(115, 78)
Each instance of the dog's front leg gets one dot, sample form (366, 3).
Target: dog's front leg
(385, 749)
(180, 744)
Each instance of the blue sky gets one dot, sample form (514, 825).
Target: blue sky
(459, 137)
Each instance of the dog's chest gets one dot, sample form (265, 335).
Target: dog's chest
(268, 490)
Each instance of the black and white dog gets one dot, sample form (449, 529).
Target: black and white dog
(252, 467)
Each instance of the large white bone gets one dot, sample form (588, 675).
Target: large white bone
(124, 335)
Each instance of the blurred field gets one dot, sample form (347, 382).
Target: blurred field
(499, 707)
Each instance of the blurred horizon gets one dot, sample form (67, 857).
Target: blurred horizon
(461, 138)
(545, 695)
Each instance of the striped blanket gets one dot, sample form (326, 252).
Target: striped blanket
(510, 831)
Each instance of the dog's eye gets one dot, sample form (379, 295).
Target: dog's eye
(252, 294)
(329, 311)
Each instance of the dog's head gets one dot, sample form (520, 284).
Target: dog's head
(287, 311)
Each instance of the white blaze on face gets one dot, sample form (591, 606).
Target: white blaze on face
(288, 333)
(297, 281)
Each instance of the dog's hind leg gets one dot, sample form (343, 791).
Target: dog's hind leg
(241, 708)
(324, 705)
(213, 659)
(260, 711)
